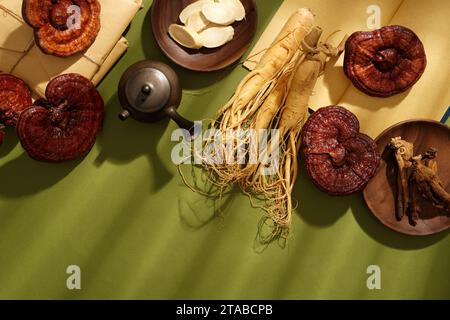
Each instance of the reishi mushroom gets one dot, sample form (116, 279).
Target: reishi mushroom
(15, 96)
(63, 127)
(57, 30)
(339, 159)
(384, 62)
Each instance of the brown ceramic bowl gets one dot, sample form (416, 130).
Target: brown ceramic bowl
(165, 12)
(381, 192)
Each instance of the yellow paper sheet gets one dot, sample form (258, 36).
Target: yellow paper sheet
(112, 58)
(429, 98)
(20, 56)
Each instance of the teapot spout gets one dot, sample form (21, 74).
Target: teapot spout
(124, 115)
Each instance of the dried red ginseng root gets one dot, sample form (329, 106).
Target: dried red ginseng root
(58, 29)
(15, 96)
(339, 159)
(384, 62)
(64, 127)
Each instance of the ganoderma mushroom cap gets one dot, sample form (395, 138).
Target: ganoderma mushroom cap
(384, 62)
(65, 126)
(339, 159)
(57, 30)
(15, 96)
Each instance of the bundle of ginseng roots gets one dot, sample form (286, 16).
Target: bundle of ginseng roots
(270, 105)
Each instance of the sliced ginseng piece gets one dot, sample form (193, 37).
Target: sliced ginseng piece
(219, 13)
(193, 8)
(185, 36)
(216, 36)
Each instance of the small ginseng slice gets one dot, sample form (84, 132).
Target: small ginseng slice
(192, 9)
(237, 7)
(215, 37)
(219, 13)
(197, 22)
(185, 36)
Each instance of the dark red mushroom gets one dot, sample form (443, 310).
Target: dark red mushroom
(339, 159)
(384, 62)
(15, 96)
(64, 127)
(63, 27)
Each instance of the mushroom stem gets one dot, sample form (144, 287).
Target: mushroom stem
(386, 60)
(63, 106)
(57, 113)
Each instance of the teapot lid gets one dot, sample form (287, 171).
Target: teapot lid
(147, 90)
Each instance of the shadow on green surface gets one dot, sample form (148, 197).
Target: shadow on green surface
(318, 209)
(195, 215)
(380, 233)
(23, 175)
(196, 210)
(190, 80)
(122, 142)
(315, 207)
(105, 246)
(10, 141)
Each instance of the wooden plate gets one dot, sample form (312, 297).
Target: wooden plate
(381, 192)
(165, 12)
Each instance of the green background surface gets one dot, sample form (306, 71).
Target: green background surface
(123, 215)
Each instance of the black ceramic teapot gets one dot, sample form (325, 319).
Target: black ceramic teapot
(150, 91)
